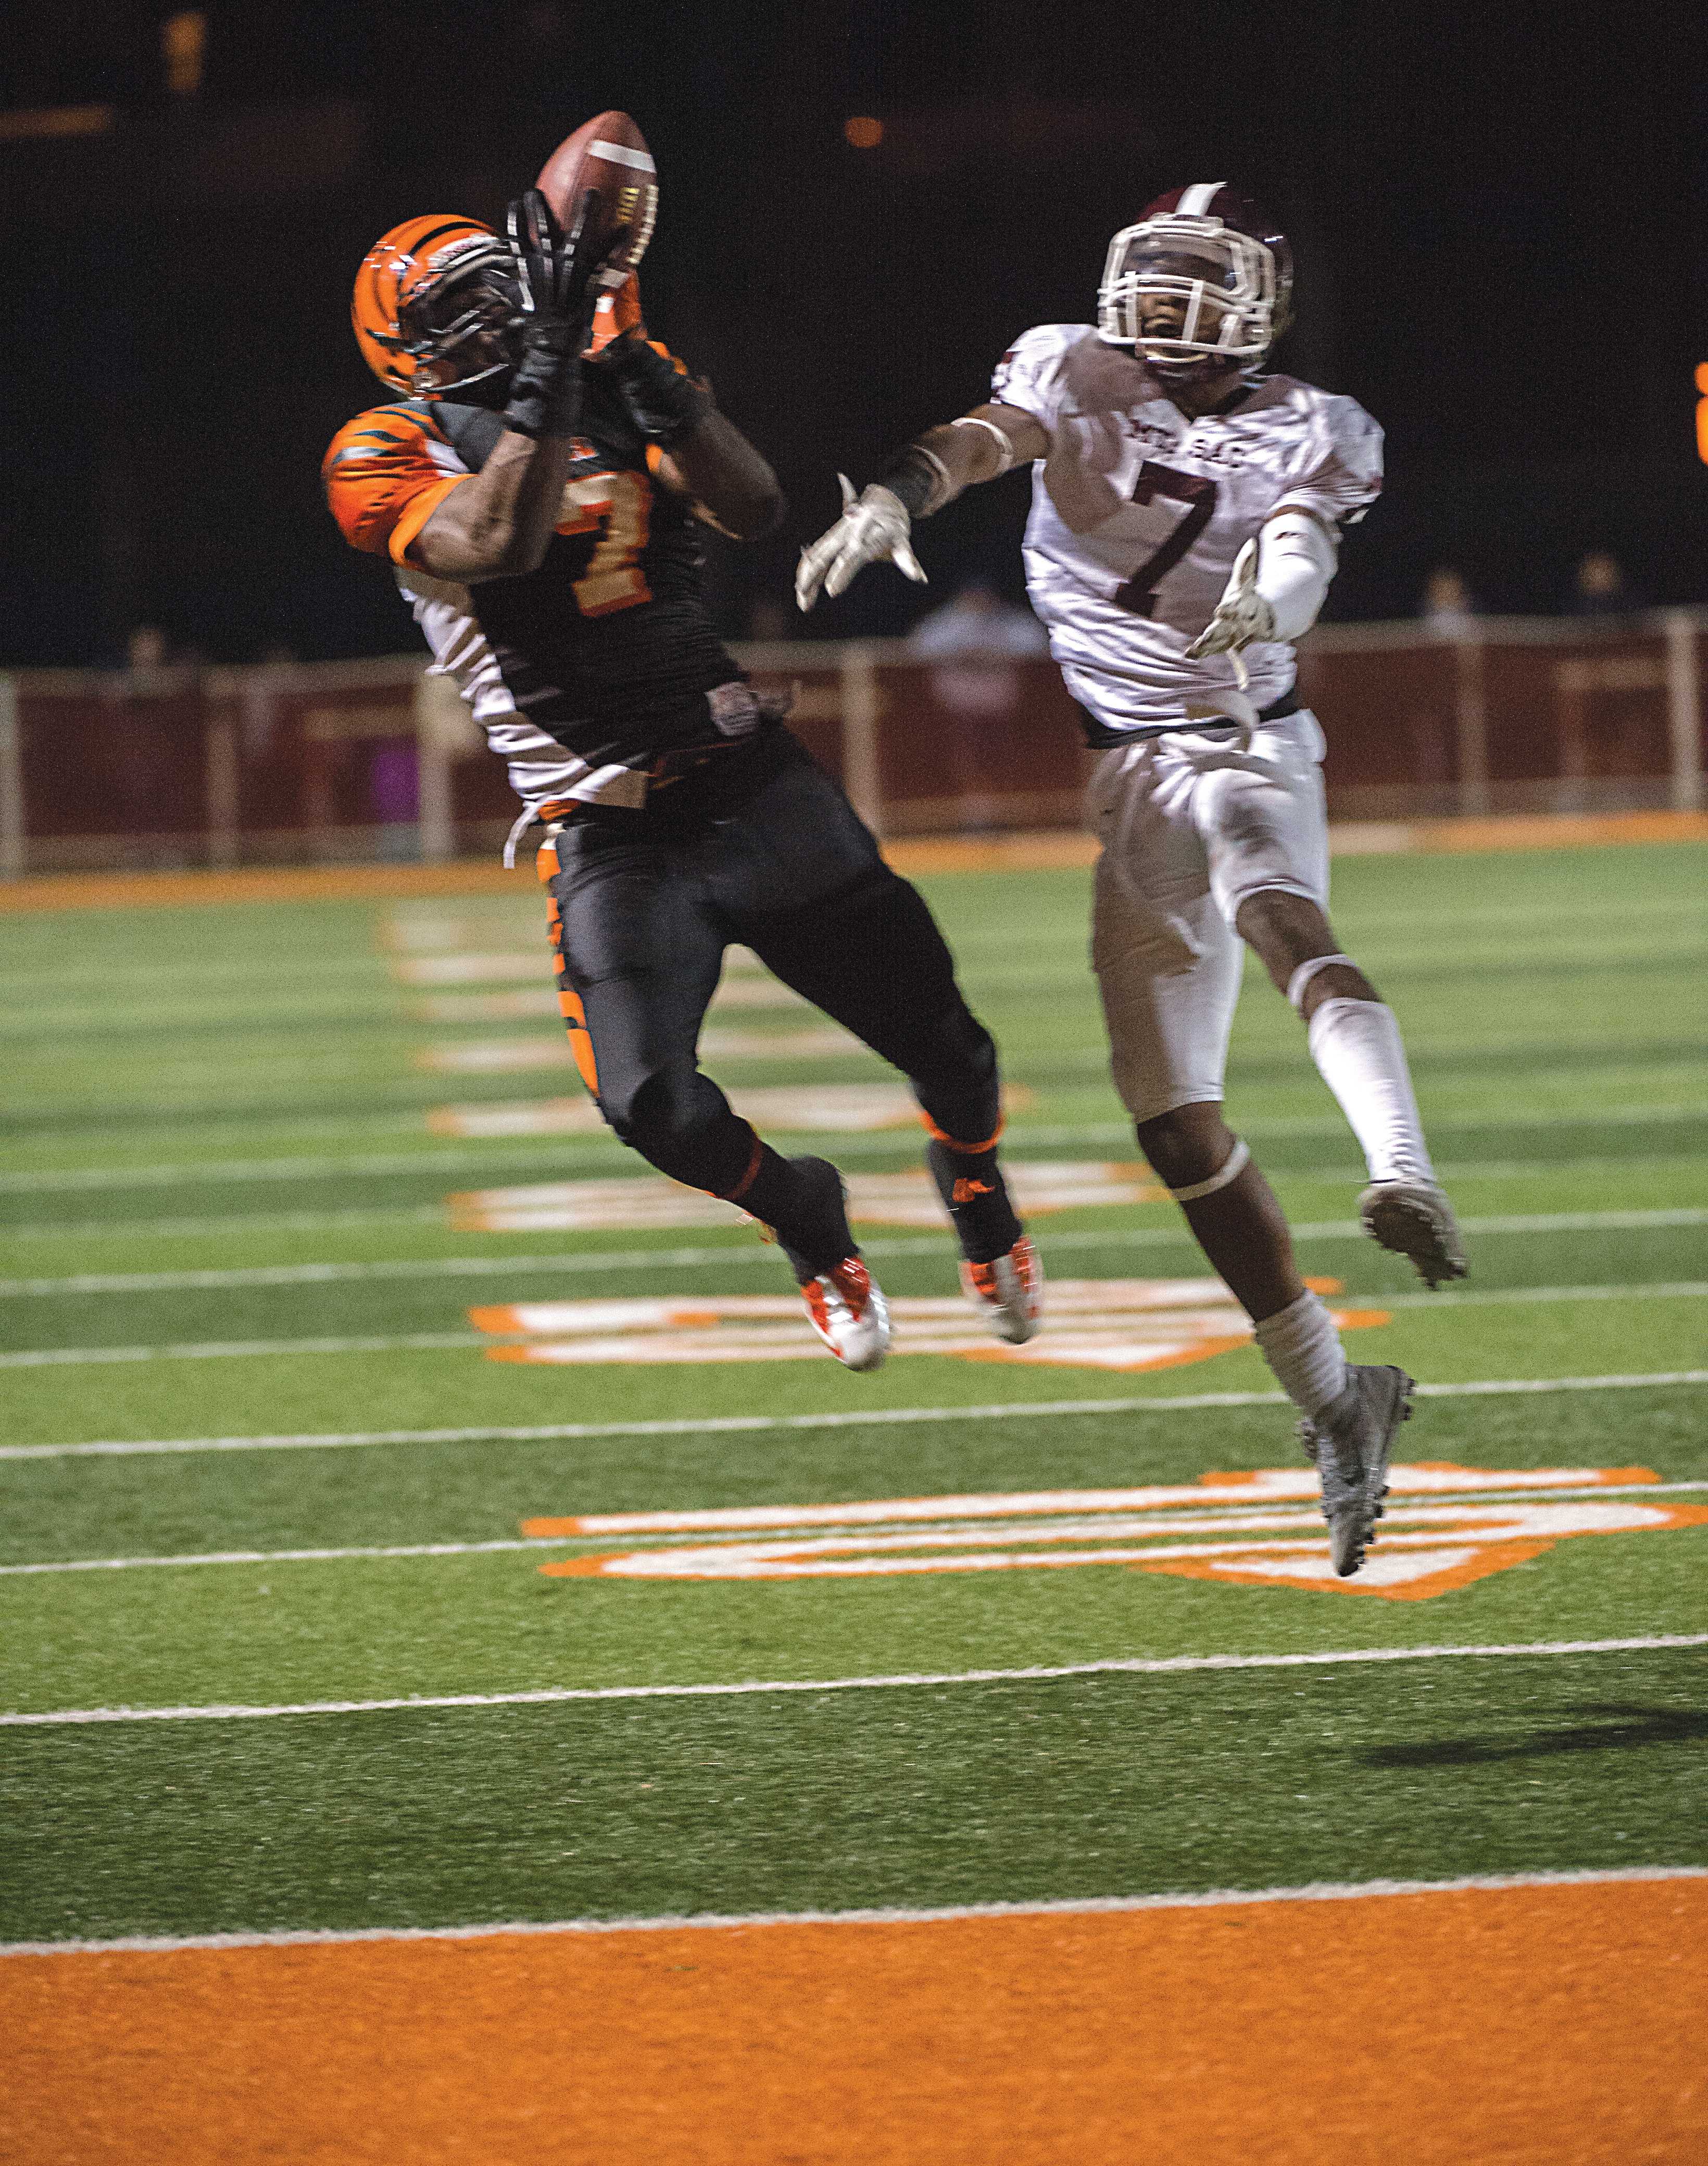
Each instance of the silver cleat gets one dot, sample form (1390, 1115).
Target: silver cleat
(1414, 1218)
(1349, 1441)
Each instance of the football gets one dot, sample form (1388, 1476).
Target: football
(608, 154)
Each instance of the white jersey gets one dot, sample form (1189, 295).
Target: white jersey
(1138, 515)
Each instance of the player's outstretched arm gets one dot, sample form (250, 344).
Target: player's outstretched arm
(877, 526)
(1280, 583)
(499, 524)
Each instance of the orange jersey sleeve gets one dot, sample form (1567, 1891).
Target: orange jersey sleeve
(385, 474)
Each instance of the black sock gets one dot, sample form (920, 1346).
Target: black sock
(975, 1197)
(800, 1199)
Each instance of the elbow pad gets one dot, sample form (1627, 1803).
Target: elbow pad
(1296, 560)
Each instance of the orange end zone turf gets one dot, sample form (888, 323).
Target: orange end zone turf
(1536, 2026)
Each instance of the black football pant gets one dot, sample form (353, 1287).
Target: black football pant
(759, 847)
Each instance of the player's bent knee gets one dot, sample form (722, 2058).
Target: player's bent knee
(666, 1114)
(1281, 918)
(1187, 1145)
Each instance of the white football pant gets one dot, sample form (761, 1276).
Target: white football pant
(1192, 825)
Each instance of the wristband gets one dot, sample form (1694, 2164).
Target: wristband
(545, 397)
(663, 403)
(920, 479)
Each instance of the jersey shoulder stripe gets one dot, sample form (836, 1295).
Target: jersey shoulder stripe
(386, 473)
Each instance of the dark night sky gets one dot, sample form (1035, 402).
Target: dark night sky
(1500, 213)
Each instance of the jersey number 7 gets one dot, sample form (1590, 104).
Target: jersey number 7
(1197, 492)
(614, 506)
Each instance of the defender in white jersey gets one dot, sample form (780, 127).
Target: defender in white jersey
(1187, 510)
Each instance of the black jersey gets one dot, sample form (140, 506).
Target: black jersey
(608, 649)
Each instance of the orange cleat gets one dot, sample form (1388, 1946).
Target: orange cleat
(1010, 1291)
(849, 1313)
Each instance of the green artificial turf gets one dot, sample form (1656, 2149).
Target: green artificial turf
(235, 1090)
(1013, 1792)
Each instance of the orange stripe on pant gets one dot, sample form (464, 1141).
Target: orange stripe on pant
(569, 1001)
(581, 1043)
(1539, 2026)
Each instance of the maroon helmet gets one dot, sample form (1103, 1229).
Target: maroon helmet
(1203, 277)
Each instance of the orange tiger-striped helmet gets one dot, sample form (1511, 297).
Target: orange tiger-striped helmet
(418, 299)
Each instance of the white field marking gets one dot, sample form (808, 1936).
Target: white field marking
(1134, 1666)
(428, 1161)
(533, 961)
(53, 1357)
(1503, 1519)
(166, 1229)
(1072, 1906)
(1223, 1493)
(434, 1342)
(1110, 1324)
(836, 1108)
(717, 1041)
(281, 1556)
(744, 1251)
(519, 1003)
(740, 1250)
(1114, 1323)
(1485, 1533)
(1501, 1296)
(879, 1417)
(1039, 1186)
(422, 932)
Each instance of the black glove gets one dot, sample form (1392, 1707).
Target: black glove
(663, 403)
(556, 310)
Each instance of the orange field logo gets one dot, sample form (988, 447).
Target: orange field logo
(1093, 1323)
(1446, 1526)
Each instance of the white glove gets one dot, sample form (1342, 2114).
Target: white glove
(1242, 616)
(874, 527)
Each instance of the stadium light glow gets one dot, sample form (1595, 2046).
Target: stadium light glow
(45, 121)
(184, 49)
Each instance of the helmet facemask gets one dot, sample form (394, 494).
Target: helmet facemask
(1193, 295)
(461, 324)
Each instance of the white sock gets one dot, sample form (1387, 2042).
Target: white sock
(1302, 1344)
(1356, 1048)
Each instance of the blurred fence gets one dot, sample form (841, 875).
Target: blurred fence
(324, 761)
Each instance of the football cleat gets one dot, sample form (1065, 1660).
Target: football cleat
(1349, 1441)
(1414, 1218)
(1008, 1291)
(849, 1313)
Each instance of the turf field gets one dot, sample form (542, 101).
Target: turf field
(319, 1619)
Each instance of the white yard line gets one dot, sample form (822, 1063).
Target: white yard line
(882, 1417)
(609, 1259)
(1022, 1133)
(316, 1556)
(245, 1223)
(1072, 1906)
(1503, 1296)
(49, 1357)
(556, 1695)
(1219, 1515)
(206, 1350)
